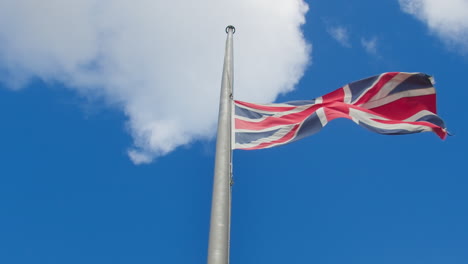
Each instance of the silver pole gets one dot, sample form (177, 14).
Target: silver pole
(218, 246)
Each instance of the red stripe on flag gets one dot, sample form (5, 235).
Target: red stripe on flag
(405, 107)
(273, 121)
(265, 107)
(376, 88)
(336, 110)
(335, 96)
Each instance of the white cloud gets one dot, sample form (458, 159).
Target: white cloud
(446, 18)
(370, 45)
(159, 61)
(340, 34)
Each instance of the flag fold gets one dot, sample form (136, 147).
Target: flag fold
(392, 103)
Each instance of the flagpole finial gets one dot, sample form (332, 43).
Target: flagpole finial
(232, 28)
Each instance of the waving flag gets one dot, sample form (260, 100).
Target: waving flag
(392, 103)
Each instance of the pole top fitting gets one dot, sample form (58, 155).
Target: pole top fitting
(231, 27)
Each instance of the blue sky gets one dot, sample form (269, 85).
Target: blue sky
(70, 193)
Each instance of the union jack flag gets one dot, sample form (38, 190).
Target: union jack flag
(392, 103)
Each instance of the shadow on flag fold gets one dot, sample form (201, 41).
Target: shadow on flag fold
(392, 103)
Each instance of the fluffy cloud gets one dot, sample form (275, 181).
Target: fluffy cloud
(447, 18)
(160, 62)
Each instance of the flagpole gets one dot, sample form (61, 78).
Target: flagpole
(218, 245)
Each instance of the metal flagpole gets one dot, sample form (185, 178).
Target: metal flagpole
(218, 245)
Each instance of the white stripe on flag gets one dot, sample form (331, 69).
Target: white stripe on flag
(347, 94)
(281, 133)
(321, 114)
(368, 88)
(391, 85)
(372, 120)
(418, 115)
